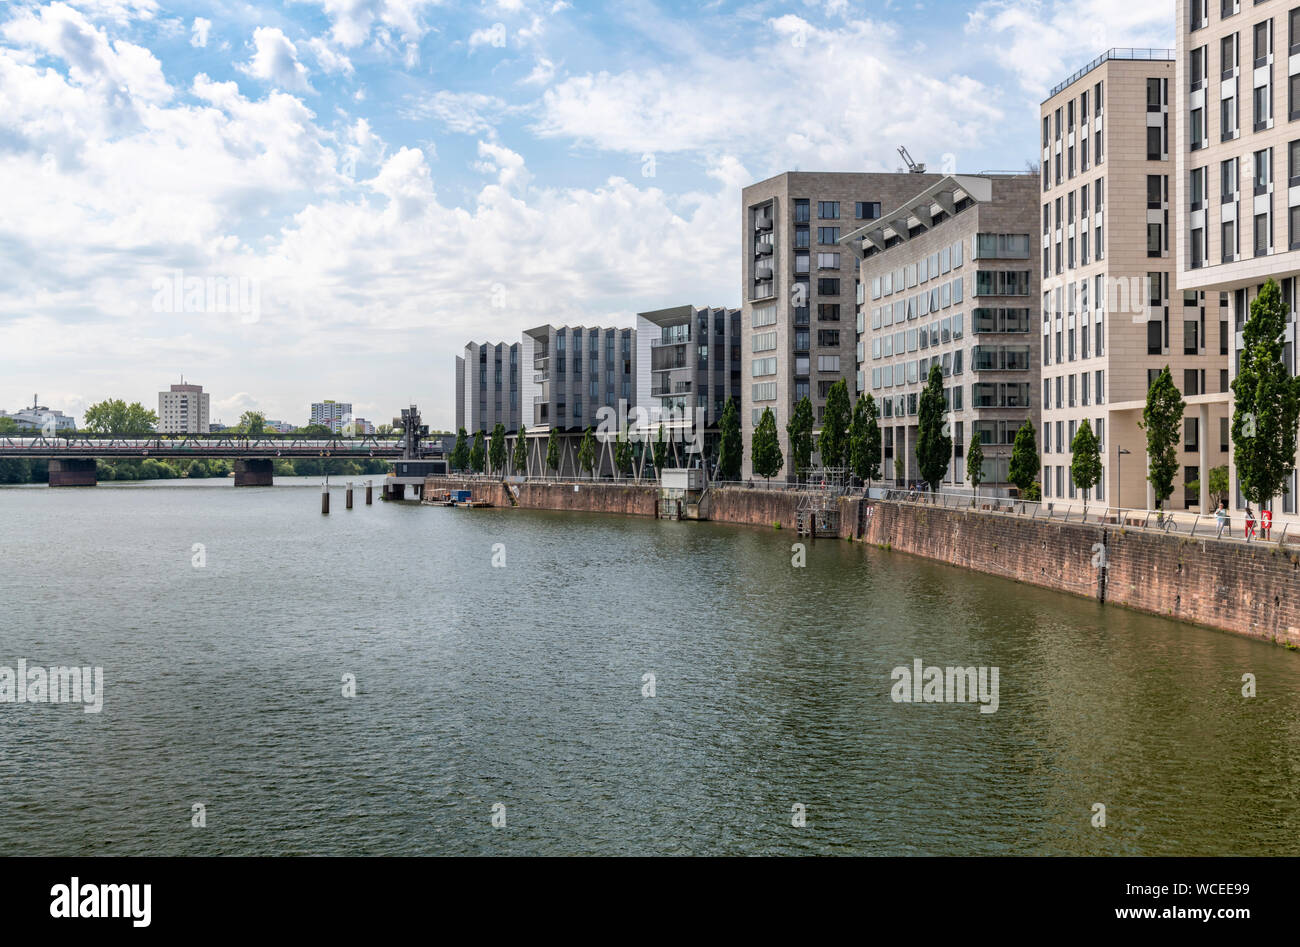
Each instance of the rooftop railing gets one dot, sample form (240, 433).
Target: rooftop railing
(1117, 53)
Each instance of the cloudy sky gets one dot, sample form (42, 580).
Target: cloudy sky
(381, 181)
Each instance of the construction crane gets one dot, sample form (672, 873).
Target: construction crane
(912, 166)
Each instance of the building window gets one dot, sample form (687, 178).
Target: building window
(866, 210)
(828, 210)
(828, 235)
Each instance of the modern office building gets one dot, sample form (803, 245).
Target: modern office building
(332, 414)
(570, 373)
(1239, 163)
(40, 418)
(183, 410)
(798, 287)
(488, 387)
(950, 278)
(279, 427)
(1115, 309)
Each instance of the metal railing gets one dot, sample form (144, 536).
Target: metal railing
(1229, 526)
(1117, 53)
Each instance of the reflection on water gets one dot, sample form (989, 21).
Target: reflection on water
(522, 685)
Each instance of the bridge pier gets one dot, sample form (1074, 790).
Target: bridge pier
(254, 473)
(72, 472)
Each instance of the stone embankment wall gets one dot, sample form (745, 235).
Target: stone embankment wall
(1251, 589)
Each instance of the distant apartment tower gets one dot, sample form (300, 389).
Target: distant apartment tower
(332, 414)
(1113, 312)
(689, 359)
(488, 387)
(950, 278)
(799, 288)
(183, 410)
(1237, 98)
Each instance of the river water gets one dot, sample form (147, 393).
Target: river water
(225, 621)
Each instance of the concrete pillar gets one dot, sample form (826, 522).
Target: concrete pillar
(1203, 438)
(347, 502)
(370, 499)
(254, 473)
(73, 472)
(325, 499)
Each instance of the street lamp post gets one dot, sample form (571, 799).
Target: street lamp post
(1119, 477)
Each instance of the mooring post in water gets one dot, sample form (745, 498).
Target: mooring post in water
(325, 498)
(347, 497)
(370, 486)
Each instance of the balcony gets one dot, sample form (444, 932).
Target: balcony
(763, 272)
(762, 222)
(763, 249)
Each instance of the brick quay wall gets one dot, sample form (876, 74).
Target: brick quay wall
(1250, 589)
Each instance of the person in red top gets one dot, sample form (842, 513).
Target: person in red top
(1265, 522)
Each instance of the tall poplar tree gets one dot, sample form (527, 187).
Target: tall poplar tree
(1266, 402)
(933, 446)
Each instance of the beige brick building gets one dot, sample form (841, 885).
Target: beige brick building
(1237, 93)
(950, 278)
(799, 288)
(1114, 309)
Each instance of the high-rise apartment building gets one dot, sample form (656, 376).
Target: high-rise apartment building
(688, 359)
(950, 278)
(572, 372)
(488, 387)
(332, 414)
(183, 410)
(799, 287)
(1115, 310)
(1237, 97)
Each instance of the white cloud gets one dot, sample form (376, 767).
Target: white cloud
(199, 32)
(1043, 41)
(494, 35)
(354, 20)
(275, 60)
(330, 61)
(464, 112)
(866, 98)
(117, 11)
(543, 72)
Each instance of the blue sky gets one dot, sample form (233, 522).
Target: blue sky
(389, 179)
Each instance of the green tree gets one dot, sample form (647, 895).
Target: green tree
(1267, 402)
(1023, 470)
(732, 445)
(623, 454)
(114, 416)
(316, 430)
(661, 450)
(521, 451)
(553, 451)
(252, 423)
(900, 469)
(833, 443)
(933, 446)
(497, 450)
(975, 464)
(587, 453)
(9, 426)
(864, 440)
(1085, 465)
(460, 453)
(478, 453)
(1162, 419)
(800, 431)
(765, 447)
